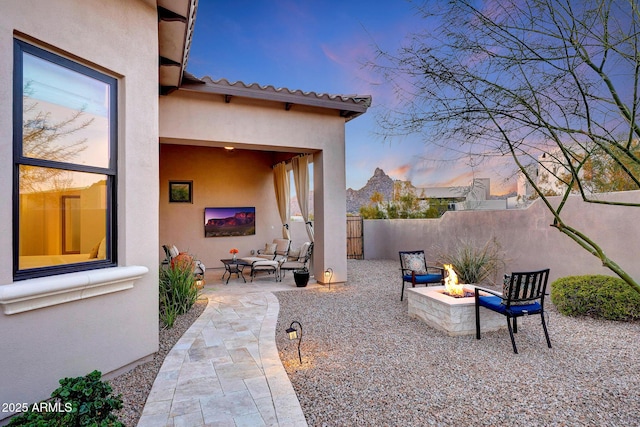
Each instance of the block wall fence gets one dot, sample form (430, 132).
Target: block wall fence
(526, 236)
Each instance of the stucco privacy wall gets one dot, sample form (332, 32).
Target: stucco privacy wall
(197, 119)
(38, 347)
(524, 234)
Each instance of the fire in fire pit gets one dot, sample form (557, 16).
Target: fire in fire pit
(451, 286)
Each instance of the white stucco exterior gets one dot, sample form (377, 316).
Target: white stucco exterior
(103, 326)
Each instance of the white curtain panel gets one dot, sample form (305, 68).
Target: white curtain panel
(300, 166)
(281, 186)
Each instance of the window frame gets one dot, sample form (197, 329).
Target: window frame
(21, 47)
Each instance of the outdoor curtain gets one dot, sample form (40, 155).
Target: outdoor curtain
(282, 188)
(300, 166)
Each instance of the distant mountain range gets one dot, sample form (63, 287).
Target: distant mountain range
(380, 182)
(293, 204)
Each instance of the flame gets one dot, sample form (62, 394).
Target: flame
(451, 282)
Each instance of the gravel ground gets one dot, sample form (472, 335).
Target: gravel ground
(135, 385)
(365, 362)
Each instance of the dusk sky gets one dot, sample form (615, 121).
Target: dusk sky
(321, 46)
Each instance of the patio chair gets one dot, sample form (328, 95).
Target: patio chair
(172, 251)
(276, 251)
(300, 261)
(415, 270)
(523, 294)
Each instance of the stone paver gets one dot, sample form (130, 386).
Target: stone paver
(225, 370)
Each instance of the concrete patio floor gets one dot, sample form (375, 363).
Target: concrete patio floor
(225, 370)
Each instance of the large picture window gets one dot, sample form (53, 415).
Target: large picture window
(65, 164)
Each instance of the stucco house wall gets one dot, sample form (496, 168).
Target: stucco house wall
(208, 121)
(40, 346)
(525, 235)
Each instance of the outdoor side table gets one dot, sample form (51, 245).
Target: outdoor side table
(233, 266)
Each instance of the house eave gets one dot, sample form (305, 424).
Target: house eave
(176, 21)
(349, 106)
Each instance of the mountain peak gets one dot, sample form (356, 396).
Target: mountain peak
(380, 182)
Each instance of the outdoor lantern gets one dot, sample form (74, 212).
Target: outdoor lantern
(293, 335)
(199, 281)
(328, 275)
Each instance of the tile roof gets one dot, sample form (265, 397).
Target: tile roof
(350, 106)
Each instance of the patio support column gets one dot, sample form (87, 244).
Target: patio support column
(330, 213)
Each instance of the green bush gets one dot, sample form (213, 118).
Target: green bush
(81, 401)
(596, 296)
(178, 291)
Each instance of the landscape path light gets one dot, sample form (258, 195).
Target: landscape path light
(293, 335)
(328, 275)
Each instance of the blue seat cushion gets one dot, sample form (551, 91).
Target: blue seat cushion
(424, 278)
(495, 304)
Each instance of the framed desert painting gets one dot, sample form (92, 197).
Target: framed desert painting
(221, 222)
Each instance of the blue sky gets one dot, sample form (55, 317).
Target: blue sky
(322, 46)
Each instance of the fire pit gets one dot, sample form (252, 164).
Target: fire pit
(451, 308)
(451, 286)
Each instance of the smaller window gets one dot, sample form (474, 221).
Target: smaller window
(65, 164)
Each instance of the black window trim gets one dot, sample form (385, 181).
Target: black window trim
(111, 260)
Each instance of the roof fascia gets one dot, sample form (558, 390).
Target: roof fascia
(349, 108)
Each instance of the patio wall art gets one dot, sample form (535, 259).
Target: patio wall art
(225, 222)
(180, 191)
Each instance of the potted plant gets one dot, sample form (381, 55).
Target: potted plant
(301, 277)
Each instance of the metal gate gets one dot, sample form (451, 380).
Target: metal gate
(355, 241)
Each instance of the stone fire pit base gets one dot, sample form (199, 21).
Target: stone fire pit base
(455, 316)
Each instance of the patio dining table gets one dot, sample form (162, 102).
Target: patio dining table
(234, 266)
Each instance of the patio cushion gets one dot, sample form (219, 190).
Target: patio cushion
(303, 251)
(415, 262)
(495, 303)
(260, 262)
(506, 288)
(270, 248)
(173, 251)
(295, 265)
(265, 264)
(294, 254)
(424, 278)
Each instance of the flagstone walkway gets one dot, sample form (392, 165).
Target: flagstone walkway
(225, 370)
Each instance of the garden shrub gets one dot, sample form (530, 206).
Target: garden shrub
(474, 264)
(596, 296)
(81, 401)
(178, 291)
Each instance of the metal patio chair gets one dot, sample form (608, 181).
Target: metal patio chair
(415, 270)
(523, 295)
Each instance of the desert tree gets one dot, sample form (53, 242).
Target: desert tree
(45, 137)
(522, 78)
